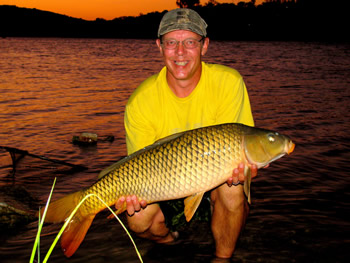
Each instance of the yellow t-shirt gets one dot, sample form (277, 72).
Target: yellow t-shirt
(153, 111)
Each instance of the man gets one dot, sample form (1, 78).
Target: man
(186, 94)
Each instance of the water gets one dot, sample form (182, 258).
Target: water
(53, 89)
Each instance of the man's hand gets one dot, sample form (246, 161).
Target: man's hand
(133, 205)
(238, 174)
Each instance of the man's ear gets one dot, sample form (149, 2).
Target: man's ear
(159, 45)
(205, 46)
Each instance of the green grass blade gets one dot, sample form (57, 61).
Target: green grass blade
(41, 222)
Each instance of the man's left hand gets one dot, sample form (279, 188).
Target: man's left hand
(238, 174)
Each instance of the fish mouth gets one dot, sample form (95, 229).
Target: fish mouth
(291, 147)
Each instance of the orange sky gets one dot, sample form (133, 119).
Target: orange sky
(107, 9)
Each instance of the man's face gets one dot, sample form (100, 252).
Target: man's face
(183, 63)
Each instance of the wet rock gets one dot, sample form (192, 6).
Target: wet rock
(16, 207)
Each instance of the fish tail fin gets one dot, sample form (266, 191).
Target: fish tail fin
(75, 233)
(59, 211)
(247, 182)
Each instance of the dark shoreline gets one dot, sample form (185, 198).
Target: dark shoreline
(287, 21)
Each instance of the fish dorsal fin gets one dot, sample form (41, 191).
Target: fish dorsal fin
(191, 204)
(127, 158)
(247, 181)
(168, 138)
(110, 168)
(113, 167)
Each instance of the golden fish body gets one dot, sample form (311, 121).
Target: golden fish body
(195, 161)
(182, 165)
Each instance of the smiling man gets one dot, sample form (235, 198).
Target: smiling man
(186, 94)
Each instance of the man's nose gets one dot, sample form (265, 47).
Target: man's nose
(180, 49)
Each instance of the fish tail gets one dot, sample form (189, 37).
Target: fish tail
(59, 211)
(75, 233)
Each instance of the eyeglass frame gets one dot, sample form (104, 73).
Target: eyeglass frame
(182, 42)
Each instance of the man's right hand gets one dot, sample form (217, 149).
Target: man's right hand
(133, 205)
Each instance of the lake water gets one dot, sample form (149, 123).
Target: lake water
(54, 89)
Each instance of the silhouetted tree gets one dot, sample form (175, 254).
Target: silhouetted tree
(211, 3)
(187, 3)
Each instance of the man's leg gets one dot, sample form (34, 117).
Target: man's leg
(230, 210)
(150, 223)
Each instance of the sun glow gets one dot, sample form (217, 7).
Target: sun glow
(106, 9)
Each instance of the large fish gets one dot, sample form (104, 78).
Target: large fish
(186, 164)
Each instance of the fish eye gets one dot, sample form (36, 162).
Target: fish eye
(271, 137)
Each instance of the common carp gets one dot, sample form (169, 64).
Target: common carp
(182, 165)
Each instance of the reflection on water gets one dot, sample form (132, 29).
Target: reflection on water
(53, 89)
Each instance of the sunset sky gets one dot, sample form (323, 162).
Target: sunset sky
(107, 9)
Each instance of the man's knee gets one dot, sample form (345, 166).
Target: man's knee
(229, 198)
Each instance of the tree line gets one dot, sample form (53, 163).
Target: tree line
(273, 20)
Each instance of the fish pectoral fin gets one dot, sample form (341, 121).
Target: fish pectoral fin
(247, 182)
(75, 233)
(191, 204)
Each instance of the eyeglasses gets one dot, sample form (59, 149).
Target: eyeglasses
(188, 43)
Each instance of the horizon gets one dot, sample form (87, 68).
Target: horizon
(105, 9)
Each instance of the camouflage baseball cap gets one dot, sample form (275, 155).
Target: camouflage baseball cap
(182, 19)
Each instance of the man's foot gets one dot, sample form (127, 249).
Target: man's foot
(171, 239)
(220, 260)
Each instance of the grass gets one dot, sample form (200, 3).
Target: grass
(36, 247)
